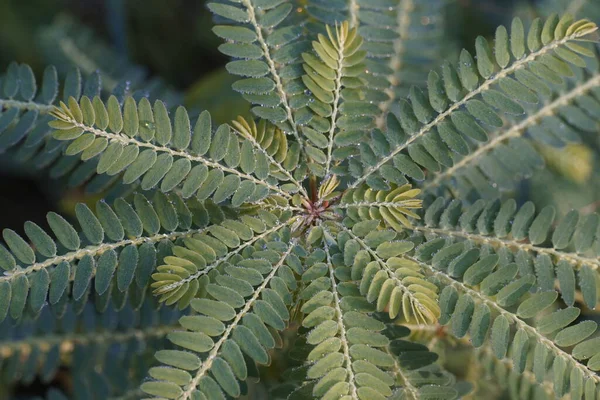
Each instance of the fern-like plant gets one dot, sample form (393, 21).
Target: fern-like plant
(362, 209)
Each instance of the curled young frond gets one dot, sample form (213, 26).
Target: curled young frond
(186, 273)
(376, 259)
(392, 207)
(428, 129)
(332, 76)
(268, 141)
(237, 319)
(327, 189)
(142, 141)
(117, 252)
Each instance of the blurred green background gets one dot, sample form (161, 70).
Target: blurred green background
(172, 38)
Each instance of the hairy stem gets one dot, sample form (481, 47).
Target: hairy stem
(96, 250)
(26, 106)
(68, 341)
(368, 204)
(336, 100)
(341, 327)
(403, 22)
(576, 260)
(272, 69)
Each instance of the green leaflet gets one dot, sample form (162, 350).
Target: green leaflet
(462, 316)
(536, 304)
(162, 389)
(59, 283)
(167, 157)
(241, 329)
(448, 300)
(511, 293)
(18, 246)
(538, 230)
(557, 320)
(500, 336)
(107, 264)
(491, 223)
(392, 208)
(520, 349)
(480, 324)
(107, 258)
(461, 88)
(332, 72)
(40, 284)
(65, 233)
(496, 281)
(575, 334)
(363, 336)
(89, 223)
